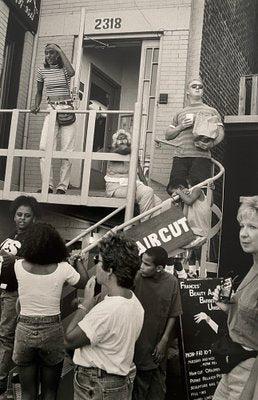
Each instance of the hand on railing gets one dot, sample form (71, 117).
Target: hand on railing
(211, 185)
(74, 256)
(35, 109)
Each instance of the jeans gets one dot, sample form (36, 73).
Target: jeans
(7, 331)
(231, 385)
(67, 144)
(131, 378)
(40, 339)
(145, 196)
(150, 384)
(95, 384)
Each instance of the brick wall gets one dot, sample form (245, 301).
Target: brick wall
(57, 6)
(176, 43)
(23, 83)
(180, 60)
(228, 52)
(173, 67)
(195, 39)
(22, 100)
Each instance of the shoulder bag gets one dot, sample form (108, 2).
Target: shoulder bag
(65, 119)
(229, 354)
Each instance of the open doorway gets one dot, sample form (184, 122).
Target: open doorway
(104, 95)
(118, 73)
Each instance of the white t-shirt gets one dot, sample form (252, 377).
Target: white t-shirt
(113, 327)
(198, 216)
(41, 294)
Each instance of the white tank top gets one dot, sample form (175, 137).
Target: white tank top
(41, 294)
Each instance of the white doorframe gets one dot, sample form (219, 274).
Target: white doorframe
(147, 43)
(149, 72)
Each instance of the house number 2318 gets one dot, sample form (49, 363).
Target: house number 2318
(108, 23)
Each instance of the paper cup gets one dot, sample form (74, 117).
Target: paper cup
(190, 117)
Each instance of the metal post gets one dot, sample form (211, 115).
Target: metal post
(132, 176)
(79, 54)
(48, 155)
(10, 153)
(88, 156)
(27, 116)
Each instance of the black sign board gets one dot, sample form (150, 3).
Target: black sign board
(27, 11)
(199, 323)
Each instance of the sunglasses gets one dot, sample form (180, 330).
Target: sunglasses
(96, 259)
(196, 86)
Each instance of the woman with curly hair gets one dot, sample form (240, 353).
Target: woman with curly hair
(39, 338)
(56, 75)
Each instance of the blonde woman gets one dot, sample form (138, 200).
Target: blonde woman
(242, 310)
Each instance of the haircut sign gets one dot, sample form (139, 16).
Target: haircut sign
(169, 230)
(199, 329)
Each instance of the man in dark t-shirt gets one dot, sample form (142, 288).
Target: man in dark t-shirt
(158, 292)
(24, 211)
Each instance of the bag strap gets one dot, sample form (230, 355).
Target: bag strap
(66, 79)
(49, 102)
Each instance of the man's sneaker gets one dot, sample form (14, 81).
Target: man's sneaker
(192, 275)
(60, 191)
(181, 274)
(50, 190)
(197, 242)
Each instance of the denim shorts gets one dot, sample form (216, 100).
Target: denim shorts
(90, 385)
(39, 339)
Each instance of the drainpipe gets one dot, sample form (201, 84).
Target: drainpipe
(132, 176)
(79, 51)
(27, 115)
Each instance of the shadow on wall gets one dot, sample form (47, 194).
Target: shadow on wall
(6, 224)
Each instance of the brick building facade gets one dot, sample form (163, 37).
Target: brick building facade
(187, 38)
(228, 51)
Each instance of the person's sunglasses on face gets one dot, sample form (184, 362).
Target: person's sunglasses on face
(197, 86)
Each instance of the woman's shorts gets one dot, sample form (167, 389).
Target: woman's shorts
(39, 339)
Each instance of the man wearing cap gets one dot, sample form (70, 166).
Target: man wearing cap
(192, 159)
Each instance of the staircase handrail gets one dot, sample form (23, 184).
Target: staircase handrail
(96, 225)
(165, 204)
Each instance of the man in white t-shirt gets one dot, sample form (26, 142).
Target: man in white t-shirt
(104, 335)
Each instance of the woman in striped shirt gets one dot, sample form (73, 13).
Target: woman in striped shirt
(56, 75)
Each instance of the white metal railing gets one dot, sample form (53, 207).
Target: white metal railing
(164, 205)
(87, 156)
(84, 198)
